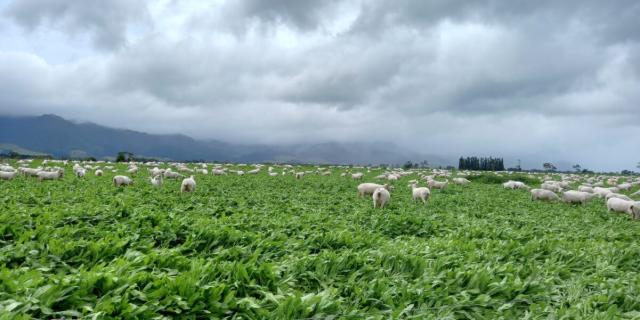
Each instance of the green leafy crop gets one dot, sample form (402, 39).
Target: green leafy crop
(261, 247)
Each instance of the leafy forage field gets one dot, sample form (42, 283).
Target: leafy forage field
(261, 247)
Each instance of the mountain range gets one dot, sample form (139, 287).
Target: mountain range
(62, 138)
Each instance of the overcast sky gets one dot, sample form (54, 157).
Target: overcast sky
(536, 80)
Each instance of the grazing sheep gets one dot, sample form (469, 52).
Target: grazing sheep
(5, 175)
(635, 208)
(122, 181)
(462, 181)
(584, 188)
(601, 192)
(433, 184)
(625, 186)
(299, 175)
(156, 181)
(168, 174)
(50, 175)
(380, 197)
(156, 171)
(551, 187)
(273, 174)
(240, 172)
(543, 194)
(188, 185)
(620, 205)
(421, 193)
(573, 196)
(515, 185)
(370, 188)
(32, 172)
(218, 172)
(99, 173)
(357, 176)
(254, 171)
(616, 195)
(6, 168)
(80, 173)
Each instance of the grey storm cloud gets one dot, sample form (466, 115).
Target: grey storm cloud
(105, 22)
(555, 79)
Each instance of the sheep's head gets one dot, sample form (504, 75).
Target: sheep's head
(635, 210)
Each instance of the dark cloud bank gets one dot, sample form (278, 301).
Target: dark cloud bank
(539, 81)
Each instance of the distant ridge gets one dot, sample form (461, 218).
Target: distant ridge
(51, 134)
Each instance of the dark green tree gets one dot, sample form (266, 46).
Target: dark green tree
(124, 156)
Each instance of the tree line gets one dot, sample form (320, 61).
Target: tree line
(481, 163)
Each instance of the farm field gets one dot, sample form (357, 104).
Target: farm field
(262, 247)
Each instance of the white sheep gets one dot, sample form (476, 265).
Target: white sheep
(254, 171)
(433, 184)
(392, 177)
(7, 168)
(122, 181)
(32, 172)
(99, 173)
(421, 193)
(50, 175)
(620, 205)
(80, 173)
(168, 174)
(616, 195)
(573, 196)
(156, 181)
(370, 188)
(515, 185)
(584, 188)
(625, 186)
(551, 186)
(380, 197)
(6, 175)
(543, 194)
(601, 192)
(462, 181)
(188, 185)
(156, 171)
(299, 175)
(218, 172)
(273, 174)
(357, 176)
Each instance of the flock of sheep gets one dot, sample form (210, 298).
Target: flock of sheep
(589, 186)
